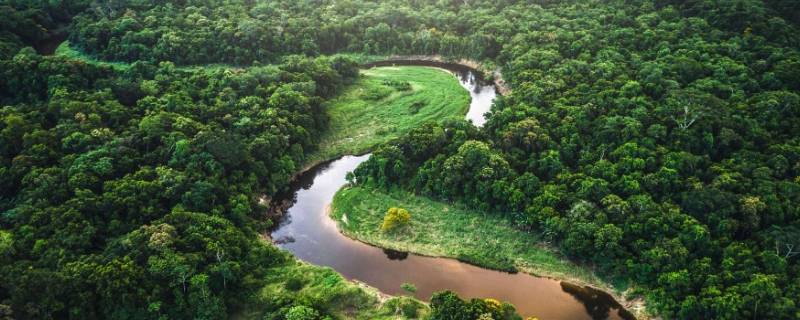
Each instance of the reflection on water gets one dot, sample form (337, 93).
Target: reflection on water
(395, 255)
(598, 303)
(481, 92)
(308, 232)
(317, 240)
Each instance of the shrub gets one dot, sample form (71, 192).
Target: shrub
(414, 108)
(409, 287)
(395, 217)
(408, 307)
(376, 93)
(302, 313)
(397, 85)
(293, 284)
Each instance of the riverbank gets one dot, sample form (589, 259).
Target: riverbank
(494, 74)
(385, 103)
(442, 230)
(326, 290)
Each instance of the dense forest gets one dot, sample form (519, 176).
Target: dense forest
(657, 141)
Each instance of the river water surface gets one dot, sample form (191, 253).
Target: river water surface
(311, 235)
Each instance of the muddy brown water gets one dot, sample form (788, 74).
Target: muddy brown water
(310, 234)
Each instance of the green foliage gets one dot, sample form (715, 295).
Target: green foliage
(655, 140)
(452, 231)
(6, 243)
(395, 218)
(407, 307)
(644, 153)
(398, 85)
(302, 313)
(409, 287)
(358, 124)
(294, 284)
(328, 292)
(138, 203)
(447, 305)
(376, 93)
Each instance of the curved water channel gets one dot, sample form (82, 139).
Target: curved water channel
(311, 235)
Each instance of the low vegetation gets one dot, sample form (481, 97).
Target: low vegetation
(395, 218)
(385, 103)
(300, 289)
(441, 229)
(447, 305)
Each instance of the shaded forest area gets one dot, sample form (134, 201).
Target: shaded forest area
(657, 141)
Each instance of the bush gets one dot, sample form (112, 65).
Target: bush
(376, 93)
(414, 108)
(397, 85)
(293, 284)
(409, 287)
(408, 307)
(394, 218)
(302, 313)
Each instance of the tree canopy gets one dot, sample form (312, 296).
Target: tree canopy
(654, 140)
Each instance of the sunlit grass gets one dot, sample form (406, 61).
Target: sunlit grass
(369, 112)
(441, 229)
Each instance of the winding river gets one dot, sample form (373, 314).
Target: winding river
(311, 235)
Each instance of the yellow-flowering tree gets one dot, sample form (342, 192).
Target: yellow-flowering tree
(395, 217)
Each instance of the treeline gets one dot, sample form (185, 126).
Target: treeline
(240, 32)
(656, 143)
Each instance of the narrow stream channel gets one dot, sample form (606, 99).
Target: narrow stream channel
(310, 234)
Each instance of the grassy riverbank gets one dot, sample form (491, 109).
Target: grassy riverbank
(326, 290)
(440, 229)
(386, 102)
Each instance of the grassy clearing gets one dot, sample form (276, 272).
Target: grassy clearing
(440, 229)
(300, 283)
(386, 102)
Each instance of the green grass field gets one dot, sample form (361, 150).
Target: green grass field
(443, 230)
(373, 111)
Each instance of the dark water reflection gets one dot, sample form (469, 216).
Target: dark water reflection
(598, 304)
(316, 239)
(395, 255)
(309, 233)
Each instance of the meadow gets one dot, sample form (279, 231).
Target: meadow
(447, 230)
(385, 103)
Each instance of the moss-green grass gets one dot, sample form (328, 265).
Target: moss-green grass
(443, 230)
(358, 123)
